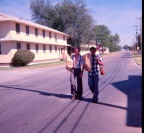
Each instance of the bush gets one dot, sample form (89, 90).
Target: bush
(22, 57)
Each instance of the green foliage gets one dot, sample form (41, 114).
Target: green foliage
(66, 16)
(102, 35)
(127, 47)
(114, 48)
(22, 57)
(72, 17)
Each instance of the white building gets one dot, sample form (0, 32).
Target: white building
(46, 43)
(85, 48)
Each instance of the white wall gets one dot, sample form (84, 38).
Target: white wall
(9, 46)
(40, 39)
(4, 29)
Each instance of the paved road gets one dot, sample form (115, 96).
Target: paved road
(38, 101)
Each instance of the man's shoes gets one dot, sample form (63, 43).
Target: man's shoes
(73, 98)
(95, 101)
(79, 98)
(76, 97)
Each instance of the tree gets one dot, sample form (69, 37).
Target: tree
(127, 47)
(68, 17)
(42, 12)
(114, 41)
(102, 34)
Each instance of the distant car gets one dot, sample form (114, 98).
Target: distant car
(127, 49)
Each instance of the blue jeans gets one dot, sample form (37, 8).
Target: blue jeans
(93, 82)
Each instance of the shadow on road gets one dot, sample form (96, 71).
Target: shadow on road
(40, 92)
(106, 104)
(132, 88)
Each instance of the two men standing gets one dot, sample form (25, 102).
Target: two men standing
(93, 74)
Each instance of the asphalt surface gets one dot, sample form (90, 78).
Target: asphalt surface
(39, 100)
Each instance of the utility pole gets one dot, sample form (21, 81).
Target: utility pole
(134, 47)
(140, 33)
(136, 39)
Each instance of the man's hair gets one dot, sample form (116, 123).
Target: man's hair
(92, 48)
(77, 48)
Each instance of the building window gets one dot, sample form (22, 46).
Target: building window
(36, 31)
(43, 33)
(49, 34)
(0, 49)
(55, 37)
(44, 48)
(27, 30)
(17, 28)
(28, 46)
(18, 46)
(55, 49)
(50, 48)
(64, 37)
(37, 48)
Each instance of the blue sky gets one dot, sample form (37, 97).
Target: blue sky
(120, 16)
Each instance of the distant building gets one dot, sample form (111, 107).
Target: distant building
(15, 33)
(85, 48)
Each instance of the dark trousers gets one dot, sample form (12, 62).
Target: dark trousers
(76, 83)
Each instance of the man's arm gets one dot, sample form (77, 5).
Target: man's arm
(100, 61)
(83, 67)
